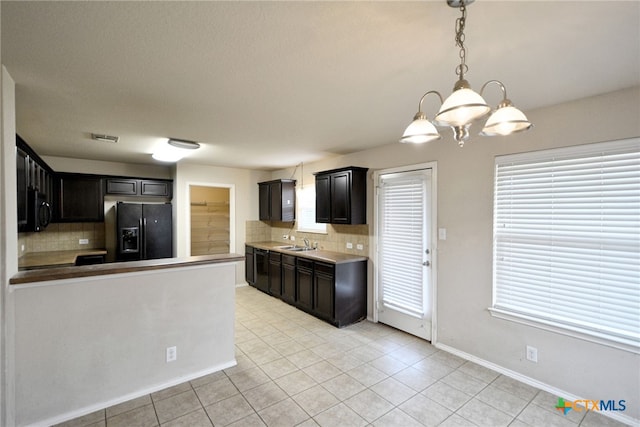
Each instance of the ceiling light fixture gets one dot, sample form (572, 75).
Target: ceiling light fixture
(175, 149)
(464, 106)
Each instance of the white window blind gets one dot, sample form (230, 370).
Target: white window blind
(306, 217)
(567, 238)
(402, 233)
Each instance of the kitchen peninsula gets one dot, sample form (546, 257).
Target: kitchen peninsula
(112, 324)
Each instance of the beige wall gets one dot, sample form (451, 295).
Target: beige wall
(464, 269)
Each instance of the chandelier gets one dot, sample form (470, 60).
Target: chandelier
(464, 106)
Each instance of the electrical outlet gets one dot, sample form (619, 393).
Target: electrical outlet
(83, 241)
(532, 354)
(349, 245)
(172, 354)
(292, 238)
(359, 246)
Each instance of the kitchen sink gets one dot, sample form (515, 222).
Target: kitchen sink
(296, 248)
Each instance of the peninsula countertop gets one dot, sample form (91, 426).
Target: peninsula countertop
(317, 254)
(61, 273)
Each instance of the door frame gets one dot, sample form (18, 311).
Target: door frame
(433, 235)
(232, 213)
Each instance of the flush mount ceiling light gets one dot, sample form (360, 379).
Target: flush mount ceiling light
(464, 106)
(175, 149)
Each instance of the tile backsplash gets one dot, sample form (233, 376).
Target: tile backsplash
(62, 237)
(336, 238)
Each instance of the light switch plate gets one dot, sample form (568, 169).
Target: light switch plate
(83, 241)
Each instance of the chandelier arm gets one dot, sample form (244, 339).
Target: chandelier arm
(499, 83)
(425, 95)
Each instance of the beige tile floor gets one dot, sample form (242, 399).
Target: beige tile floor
(295, 370)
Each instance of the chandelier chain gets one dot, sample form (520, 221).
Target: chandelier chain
(460, 24)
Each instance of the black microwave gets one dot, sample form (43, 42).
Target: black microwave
(38, 211)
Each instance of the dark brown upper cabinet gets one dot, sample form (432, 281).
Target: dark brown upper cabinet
(341, 196)
(34, 179)
(79, 198)
(277, 200)
(118, 186)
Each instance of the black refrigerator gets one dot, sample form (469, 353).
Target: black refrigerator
(144, 231)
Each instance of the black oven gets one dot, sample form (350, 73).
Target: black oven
(38, 211)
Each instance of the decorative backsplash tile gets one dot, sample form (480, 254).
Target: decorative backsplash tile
(336, 238)
(62, 237)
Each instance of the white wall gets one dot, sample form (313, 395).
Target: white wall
(465, 198)
(8, 237)
(85, 344)
(245, 195)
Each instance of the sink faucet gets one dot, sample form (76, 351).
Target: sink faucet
(306, 242)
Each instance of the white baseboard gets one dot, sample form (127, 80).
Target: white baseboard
(139, 393)
(532, 382)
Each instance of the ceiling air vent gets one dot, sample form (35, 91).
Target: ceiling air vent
(104, 138)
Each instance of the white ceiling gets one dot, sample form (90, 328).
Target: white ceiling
(270, 84)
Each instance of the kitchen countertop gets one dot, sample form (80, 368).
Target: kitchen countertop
(62, 273)
(318, 254)
(55, 258)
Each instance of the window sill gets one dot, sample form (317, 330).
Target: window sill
(594, 337)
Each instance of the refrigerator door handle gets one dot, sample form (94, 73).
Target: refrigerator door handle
(143, 238)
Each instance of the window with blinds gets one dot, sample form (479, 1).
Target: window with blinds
(567, 240)
(306, 205)
(402, 236)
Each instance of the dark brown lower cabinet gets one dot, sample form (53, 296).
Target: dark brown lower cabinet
(249, 266)
(288, 279)
(275, 273)
(323, 285)
(336, 293)
(304, 280)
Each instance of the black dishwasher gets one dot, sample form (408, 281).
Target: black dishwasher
(262, 269)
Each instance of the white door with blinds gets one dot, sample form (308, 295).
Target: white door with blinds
(404, 253)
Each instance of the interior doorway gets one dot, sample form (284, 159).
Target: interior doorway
(405, 277)
(210, 220)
